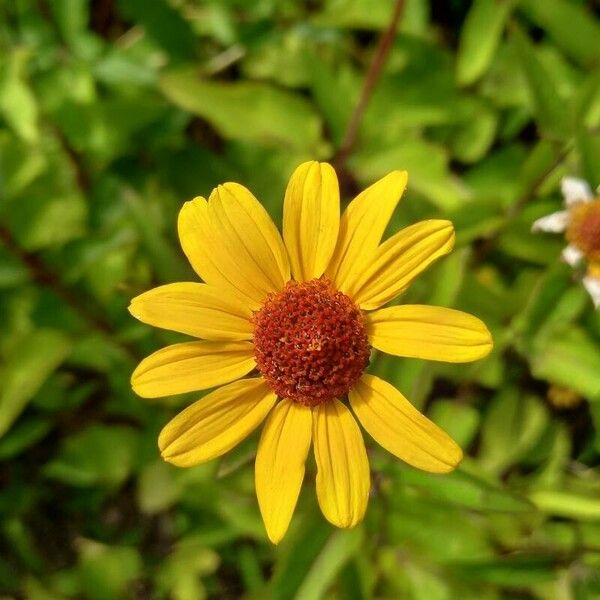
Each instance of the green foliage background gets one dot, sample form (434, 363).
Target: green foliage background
(114, 112)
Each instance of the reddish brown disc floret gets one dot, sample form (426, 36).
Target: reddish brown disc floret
(310, 342)
(584, 229)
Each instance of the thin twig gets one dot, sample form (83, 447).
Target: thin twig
(377, 63)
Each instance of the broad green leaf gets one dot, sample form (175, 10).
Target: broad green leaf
(164, 24)
(570, 357)
(30, 363)
(179, 574)
(567, 504)
(588, 145)
(449, 278)
(339, 548)
(420, 525)
(18, 105)
(585, 103)
(549, 108)
(335, 92)
(22, 436)
(277, 117)
(99, 455)
(475, 220)
(105, 572)
(474, 138)
(72, 17)
(544, 297)
(538, 166)
(158, 487)
(168, 265)
(296, 555)
(459, 420)
(479, 38)
(20, 164)
(355, 14)
(571, 25)
(514, 422)
(515, 571)
(426, 163)
(465, 488)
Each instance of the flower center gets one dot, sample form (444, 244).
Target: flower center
(310, 342)
(584, 229)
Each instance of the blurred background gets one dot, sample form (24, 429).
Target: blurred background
(114, 112)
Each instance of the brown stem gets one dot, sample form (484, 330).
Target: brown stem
(377, 63)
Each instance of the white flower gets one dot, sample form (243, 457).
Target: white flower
(581, 223)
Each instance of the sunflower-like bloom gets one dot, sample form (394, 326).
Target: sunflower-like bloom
(286, 327)
(580, 222)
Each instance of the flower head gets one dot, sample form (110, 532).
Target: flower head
(580, 221)
(300, 314)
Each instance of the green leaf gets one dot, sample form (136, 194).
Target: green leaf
(571, 25)
(106, 571)
(426, 163)
(338, 550)
(549, 109)
(30, 363)
(22, 436)
(512, 426)
(568, 357)
(585, 103)
(588, 145)
(277, 117)
(17, 102)
(164, 24)
(72, 17)
(460, 421)
(296, 555)
(567, 504)
(544, 297)
(21, 164)
(158, 487)
(512, 571)
(473, 140)
(169, 265)
(479, 38)
(355, 13)
(99, 455)
(179, 574)
(465, 488)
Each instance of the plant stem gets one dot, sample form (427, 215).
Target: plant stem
(373, 73)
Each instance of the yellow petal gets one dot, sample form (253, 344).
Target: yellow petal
(311, 218)
(342, 465)
(280, 459)
(216, 423)
(362, 226)
(429, 332)
(196, 309)
(192, 366)
(394, 423)
(399, 260)
(231, 241)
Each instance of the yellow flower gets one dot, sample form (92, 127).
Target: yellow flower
(302, 313)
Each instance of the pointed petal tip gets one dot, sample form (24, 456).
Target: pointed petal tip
(449, 463)
(275, 537)
(488, 342)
